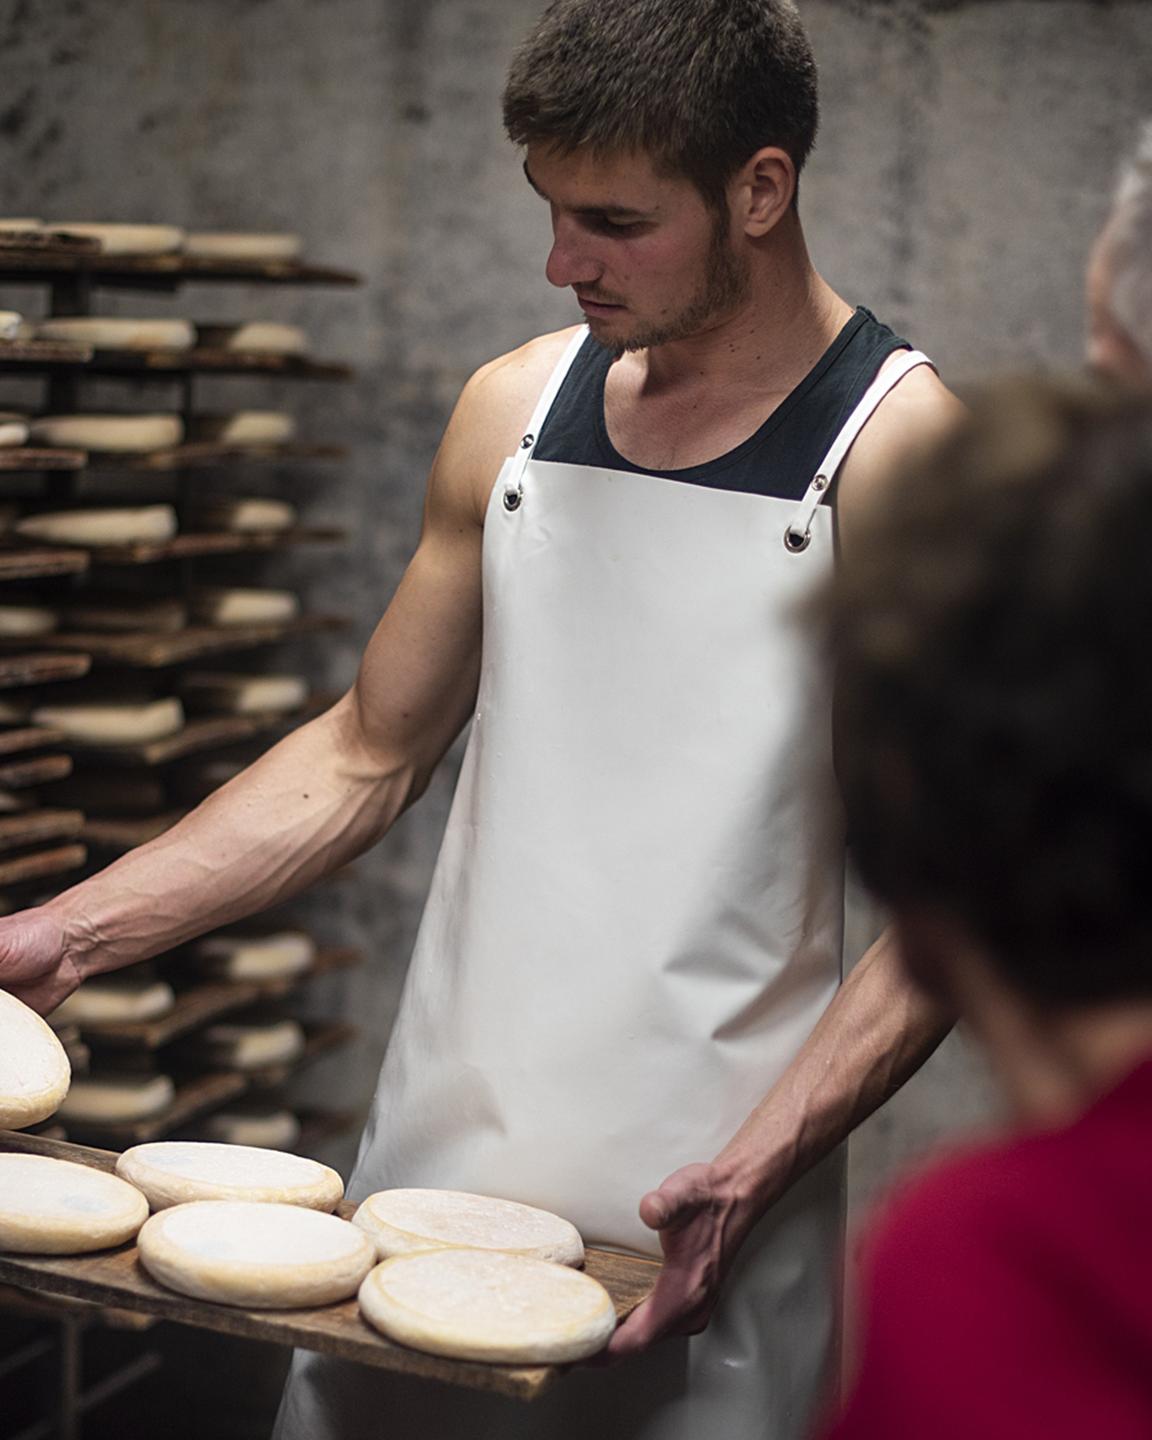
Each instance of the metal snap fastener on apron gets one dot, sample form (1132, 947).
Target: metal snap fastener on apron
(512, 498)
(527, 442)
(795, 541)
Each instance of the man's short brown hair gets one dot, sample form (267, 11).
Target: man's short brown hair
(994, 689)
(697, 85)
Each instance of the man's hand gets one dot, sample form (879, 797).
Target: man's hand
(33, 963)
(702, 1223)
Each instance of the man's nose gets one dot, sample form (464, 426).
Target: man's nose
(571, 260)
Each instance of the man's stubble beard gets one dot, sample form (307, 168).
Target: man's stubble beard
(724, 286)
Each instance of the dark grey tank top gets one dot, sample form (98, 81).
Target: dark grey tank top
(783, 455)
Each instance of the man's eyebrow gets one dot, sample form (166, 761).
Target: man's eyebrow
(609, 211)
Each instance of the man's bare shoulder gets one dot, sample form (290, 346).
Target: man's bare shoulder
(494, 409)
(916, 414)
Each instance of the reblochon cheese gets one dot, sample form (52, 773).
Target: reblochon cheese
(267, 1257)
(175, 1172)
(488, 1305)
(404, 1220)
(55, 1207)
(34, 1069)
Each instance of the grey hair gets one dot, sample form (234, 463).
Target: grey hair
(1129, 241)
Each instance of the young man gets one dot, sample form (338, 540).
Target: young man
(997, 769)
(627, 972)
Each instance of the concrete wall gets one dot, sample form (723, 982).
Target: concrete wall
(965, 160)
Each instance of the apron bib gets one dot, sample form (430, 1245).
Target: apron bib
(635, 921)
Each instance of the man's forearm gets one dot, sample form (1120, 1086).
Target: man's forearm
(305, 808)
(876, 1033)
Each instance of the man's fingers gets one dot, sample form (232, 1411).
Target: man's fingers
(681, 1196)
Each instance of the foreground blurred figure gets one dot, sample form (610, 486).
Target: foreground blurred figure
(996, 759)
(1120, 276)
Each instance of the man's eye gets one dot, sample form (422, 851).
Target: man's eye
(617, 227)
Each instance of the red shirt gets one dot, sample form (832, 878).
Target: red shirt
(1009, 1291)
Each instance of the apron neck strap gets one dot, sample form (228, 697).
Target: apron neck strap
(540, 414)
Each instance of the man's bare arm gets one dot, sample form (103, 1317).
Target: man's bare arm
(333, 787)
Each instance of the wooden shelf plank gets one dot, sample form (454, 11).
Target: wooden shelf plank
(35, 564)
(33, 826)
(39, 770)
(38, 669)
(37, 262)
(151, 650)
(201, 454)
(115, 1278)
(203, 542)
(209, 1000)
(49, 242)
(51, 357)
(42, 864)
(207, 733)
(38, 457)
(28, 737)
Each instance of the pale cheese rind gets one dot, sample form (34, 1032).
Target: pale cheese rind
(114, 434)
(254, 1045)
(17, 620)
(125, 239)
(55, 1207)
(245, 694)
(105, 332)
(405, 1220)
(245, 427)
(488, 1306)
(175, 1172)
(264, 337)
(269, 1129)
(115, 1099)
(256, 957)
(241, 245)
(34, 1069)
(243, 605)
(268, 1257)
(245, 515)
(111, 724)
(113, 525)
(116, 1001)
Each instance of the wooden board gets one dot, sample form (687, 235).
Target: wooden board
(42, 864)
(37, 261)
(117, 1278)
(30, 458)
(49, 242)
(38, 669)
(55, 358)
(39, 770)
(33, 564)
(35, 826)
(28, 737)
(216, 542)
(151, 650)
(209, 733)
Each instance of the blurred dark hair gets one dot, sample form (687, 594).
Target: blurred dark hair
(697, 85)
(994, 688)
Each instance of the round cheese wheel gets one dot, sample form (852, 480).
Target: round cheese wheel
(174, 1172)
(264, 337)
(267, 1128)
(254, 1045)
(257, 957)
(11, 325)
(118, 239)
(247, 515)
(488, 1305)
(244, 605)
(241, 245)
(20, 222)
(112, 1099)
(245, 427)
(34, 1070)
(245, 694)
(114, 434)
(112, 724)
(114, 525)
(112, 333)
(54, 1207)
(116, 1001)
(14, 430)
(401, 1221)
(17, 620)
(265, 1257)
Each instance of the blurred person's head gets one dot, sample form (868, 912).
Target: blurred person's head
(1120, 276)
(995, 700)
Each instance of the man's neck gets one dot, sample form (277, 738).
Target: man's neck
(787, 320)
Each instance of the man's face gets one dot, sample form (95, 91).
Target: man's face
(646, 258)
(1111, 350)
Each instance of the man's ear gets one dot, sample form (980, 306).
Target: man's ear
(763, 190)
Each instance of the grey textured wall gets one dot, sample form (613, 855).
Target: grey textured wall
(965, 161)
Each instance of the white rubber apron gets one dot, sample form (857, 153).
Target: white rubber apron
(635, 921)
